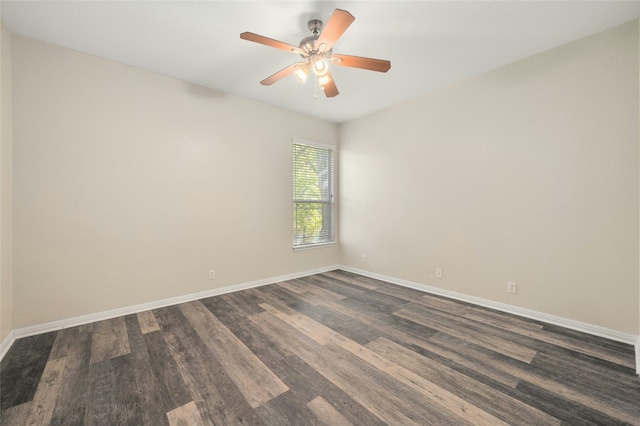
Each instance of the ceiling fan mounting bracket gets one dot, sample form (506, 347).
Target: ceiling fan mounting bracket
(315, 26)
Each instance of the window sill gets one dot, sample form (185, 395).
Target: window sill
(314, 246)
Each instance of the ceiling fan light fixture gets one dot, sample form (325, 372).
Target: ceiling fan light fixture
(320, 67)
(302, 73)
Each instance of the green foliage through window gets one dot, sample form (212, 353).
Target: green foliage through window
(313, 208)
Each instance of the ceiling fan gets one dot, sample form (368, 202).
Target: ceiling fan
(317, 53)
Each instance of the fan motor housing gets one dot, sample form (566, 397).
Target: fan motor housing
(308, 44)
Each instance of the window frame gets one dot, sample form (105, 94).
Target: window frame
(332, 189)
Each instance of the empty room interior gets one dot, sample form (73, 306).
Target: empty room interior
(466, 250)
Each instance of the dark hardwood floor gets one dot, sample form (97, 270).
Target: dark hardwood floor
(333, 349)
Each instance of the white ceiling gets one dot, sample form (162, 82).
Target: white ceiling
(430, 43)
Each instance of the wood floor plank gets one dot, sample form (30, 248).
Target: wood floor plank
(101, 406)
(544, 380)
(237, 321)
(275, 357)
(287, 409)
(376, 390)
(601, 352)
(302, 346)
(185, 415)
(495, 402)
(374, 299)
(512, 323)
(566, 409)
(72, 398)
(16, 415)
(326, 413)
(274, 293)
(355, 329)
(152, 408)
(45, 398)
(444, 305)
(622, 347)
(128, 396)
(64, 338)
(242, 303)
(109, 340)
(513, 328)
(22, 368)
(466, 361)
(172, 389)
(590, 378)
(501, 319)
(148, 323)
(308, 383)
(318, 293)
(112, 398)
(418, 314)
(384, 324)
(217, 398)
(437, 302)
(302, 379)
(434, 393)
(346, 277)
(257, 383)
(405, 293)
(381, 301)
(543, 340)
(313, 329)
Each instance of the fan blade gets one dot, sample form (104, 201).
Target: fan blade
(379, 65)
(271, 42)
(281, 74)
(337, 25)
(330, 89)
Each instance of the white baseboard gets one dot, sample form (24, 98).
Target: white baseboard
(527, 313)
(86, 319)
(6, 343)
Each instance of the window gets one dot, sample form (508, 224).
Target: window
(313, 185)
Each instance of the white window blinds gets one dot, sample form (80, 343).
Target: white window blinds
(313, 186)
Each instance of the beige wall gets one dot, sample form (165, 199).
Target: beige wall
(6, 146)
(528, 173)
(130, 186)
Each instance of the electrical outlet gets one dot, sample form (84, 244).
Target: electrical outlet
(364, 258)
(511, 287)
(438, 273)
(212, 274)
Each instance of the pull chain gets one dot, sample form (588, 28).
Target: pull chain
(315, 88)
